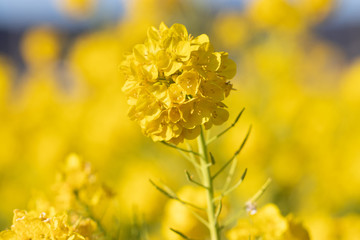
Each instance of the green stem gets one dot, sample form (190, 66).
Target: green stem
(208, 182)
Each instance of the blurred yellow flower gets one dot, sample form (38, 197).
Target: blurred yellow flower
(6, 75)
(350, 87)
(315, 10)
(232, 29)
(275, 15)
(324, 227)
(78, 208)
(77, 8)
(179, 217)
(136, 175)
(268, 224)
(78, 186)
(40, 45)
(175, 83)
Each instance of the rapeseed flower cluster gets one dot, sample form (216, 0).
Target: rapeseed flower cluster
(76, 210)
(32, 225)
(65, 97)
(175, 83)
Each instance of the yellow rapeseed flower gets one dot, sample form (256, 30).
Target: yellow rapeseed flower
(175, 83)
(31, 225)
(269, 224)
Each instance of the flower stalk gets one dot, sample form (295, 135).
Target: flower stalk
(207, 181)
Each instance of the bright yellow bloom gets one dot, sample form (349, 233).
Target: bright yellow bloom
(175, 83)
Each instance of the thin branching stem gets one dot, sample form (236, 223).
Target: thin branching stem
(233, 218)
(208, 182)
(194, 160)
(227, 129)
(180, 149)
(212, 159)
(218, 210)
(172, 195)
(234, 156)
(180, 234)
(252, 200)
(191, 159)
(236, 185)
(230, 176)
(91, 214)
(190, 179)
(261, 191)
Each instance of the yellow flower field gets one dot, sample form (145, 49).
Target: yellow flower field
(73, 164)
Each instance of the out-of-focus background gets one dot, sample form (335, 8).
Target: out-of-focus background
(298, 78)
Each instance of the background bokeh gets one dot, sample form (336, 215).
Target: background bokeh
(298, 78)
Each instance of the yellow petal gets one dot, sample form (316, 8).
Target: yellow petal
(162, 59)
(153, 34)
(163, 27)
(174, 114)
(173, 130)
(183, 50)
(189, 81)
(227, 68)
(176, 93)
(159, 91)
(212, 91)
(140, 51)
(203, 38)
(129, 85)
(219, 116)
(150, 72)
(214, 61)
(173, 67)
(193, 115)
(179, 30)
(191, 133)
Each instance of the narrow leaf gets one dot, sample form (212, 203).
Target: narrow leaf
(180, 234)
(218, 210)
(235, 154)
(190, 179)
(212, 159)
(261, 191)
(181, 149)
(233, 187)
(163, 191)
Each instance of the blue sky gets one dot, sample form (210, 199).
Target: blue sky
(21, 13)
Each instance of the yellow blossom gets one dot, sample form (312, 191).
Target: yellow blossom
(32, 225)
(175, 83)
(268, 224)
